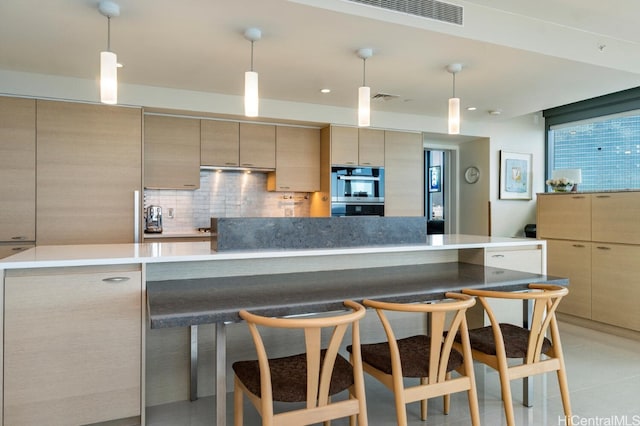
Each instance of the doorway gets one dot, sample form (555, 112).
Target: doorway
(436, 190)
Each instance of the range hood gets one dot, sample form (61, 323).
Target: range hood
(238, 169)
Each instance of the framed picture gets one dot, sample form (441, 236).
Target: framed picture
(515, 176)
(435, 184)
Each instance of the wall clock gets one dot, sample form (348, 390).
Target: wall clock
(472, 174)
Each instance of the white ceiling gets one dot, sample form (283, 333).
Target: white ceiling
(519, 56)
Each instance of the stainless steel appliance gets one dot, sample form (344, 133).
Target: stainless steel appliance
(357, 191)
(153, 219)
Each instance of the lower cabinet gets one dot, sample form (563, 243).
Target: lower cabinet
(572, 259)
(72, 345)
(616, 284)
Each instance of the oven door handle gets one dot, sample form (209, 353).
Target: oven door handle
(359, 178)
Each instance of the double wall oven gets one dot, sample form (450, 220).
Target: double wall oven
(357, 191)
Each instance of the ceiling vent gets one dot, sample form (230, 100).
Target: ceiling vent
(384, 96)
(431, 9)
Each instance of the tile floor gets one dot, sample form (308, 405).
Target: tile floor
(603, 374)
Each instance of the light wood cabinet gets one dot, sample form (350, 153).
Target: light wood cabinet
(344, 146)
(88, 167)
(371, 147)
(171, 152)
(352, 146)
(583, 233)
(616, 217)
(258, 145)
(8, 249)
(17, 169)
(297, 160)
(72, 344)
(564, 216)
(616, 284)
(219, 143)
(404, 175)
(572, 259)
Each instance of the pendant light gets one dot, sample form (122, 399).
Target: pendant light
(454, 103)
(251, 99)
(108, 59)
(364, 92)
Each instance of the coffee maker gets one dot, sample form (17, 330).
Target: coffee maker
(153, 219)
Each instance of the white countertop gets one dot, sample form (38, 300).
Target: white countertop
(118, 254)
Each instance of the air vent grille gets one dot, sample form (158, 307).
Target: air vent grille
(432, 9)
(385, 96)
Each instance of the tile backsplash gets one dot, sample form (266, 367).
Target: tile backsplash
(224, 194)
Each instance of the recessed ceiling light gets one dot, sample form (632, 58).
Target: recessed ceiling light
(471, 108)
(495, 112)
(325, 90)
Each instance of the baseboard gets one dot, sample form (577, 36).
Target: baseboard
(599, 326)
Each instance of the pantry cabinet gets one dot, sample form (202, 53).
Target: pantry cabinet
(72, 339)
(594, 240)
(404, 174)
(297, 160)
(17, 169)
(89, 167)
(171, 152)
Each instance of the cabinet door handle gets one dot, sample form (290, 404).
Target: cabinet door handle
(18, 248)
(603, 248)
(19, 238)
(115, 279)
(578, 196)
(498, 255)
(189, 185)
(578, 245)
(603, 196)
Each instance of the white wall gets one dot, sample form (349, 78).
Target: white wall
(523, 134)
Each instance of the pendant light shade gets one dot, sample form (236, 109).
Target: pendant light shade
(251, 98)
(364, 92)
(108, 78)
(454, 103)
(108, 59)
(454, 116)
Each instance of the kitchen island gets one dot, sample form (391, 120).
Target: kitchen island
(165, 371)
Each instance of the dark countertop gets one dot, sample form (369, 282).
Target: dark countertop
(181, 303)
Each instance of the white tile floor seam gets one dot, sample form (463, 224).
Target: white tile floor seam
(604, 382)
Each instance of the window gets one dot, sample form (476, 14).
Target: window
(599, 136)
(606, 150)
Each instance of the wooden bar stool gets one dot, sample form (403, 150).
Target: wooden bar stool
(429, 358)
(311, 377)
(495, 344)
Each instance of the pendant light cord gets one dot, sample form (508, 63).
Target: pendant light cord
(251, 55)
(364, 71)
(454, 85)
(108, 33)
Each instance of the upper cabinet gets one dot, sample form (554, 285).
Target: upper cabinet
(297, 160)
(17, 169)
(171, 152)
(257, 145)
(219, 143)
(89, 161)
(354, 146)
(371, 147)
(235, 144)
